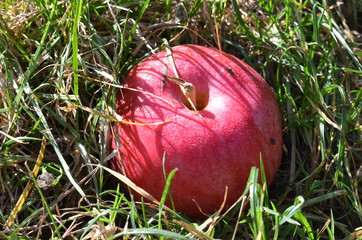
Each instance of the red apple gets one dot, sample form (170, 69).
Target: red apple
(236, 121)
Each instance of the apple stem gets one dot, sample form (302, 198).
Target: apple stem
(188, 89)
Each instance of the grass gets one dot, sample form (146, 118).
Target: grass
(61, 63)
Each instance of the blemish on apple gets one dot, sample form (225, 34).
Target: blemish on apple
(230, 71)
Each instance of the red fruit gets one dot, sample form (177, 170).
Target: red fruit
(237, 121)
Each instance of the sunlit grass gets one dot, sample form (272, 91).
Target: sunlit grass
(60, 63)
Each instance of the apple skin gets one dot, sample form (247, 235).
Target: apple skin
(237, 122)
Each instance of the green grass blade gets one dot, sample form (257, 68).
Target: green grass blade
(165, 194)
(151, 232)
(78, 11)
(241, 21)
(195, 7)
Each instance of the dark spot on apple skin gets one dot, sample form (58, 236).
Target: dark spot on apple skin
(164, 77)
(272, 141)
(230, 71)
